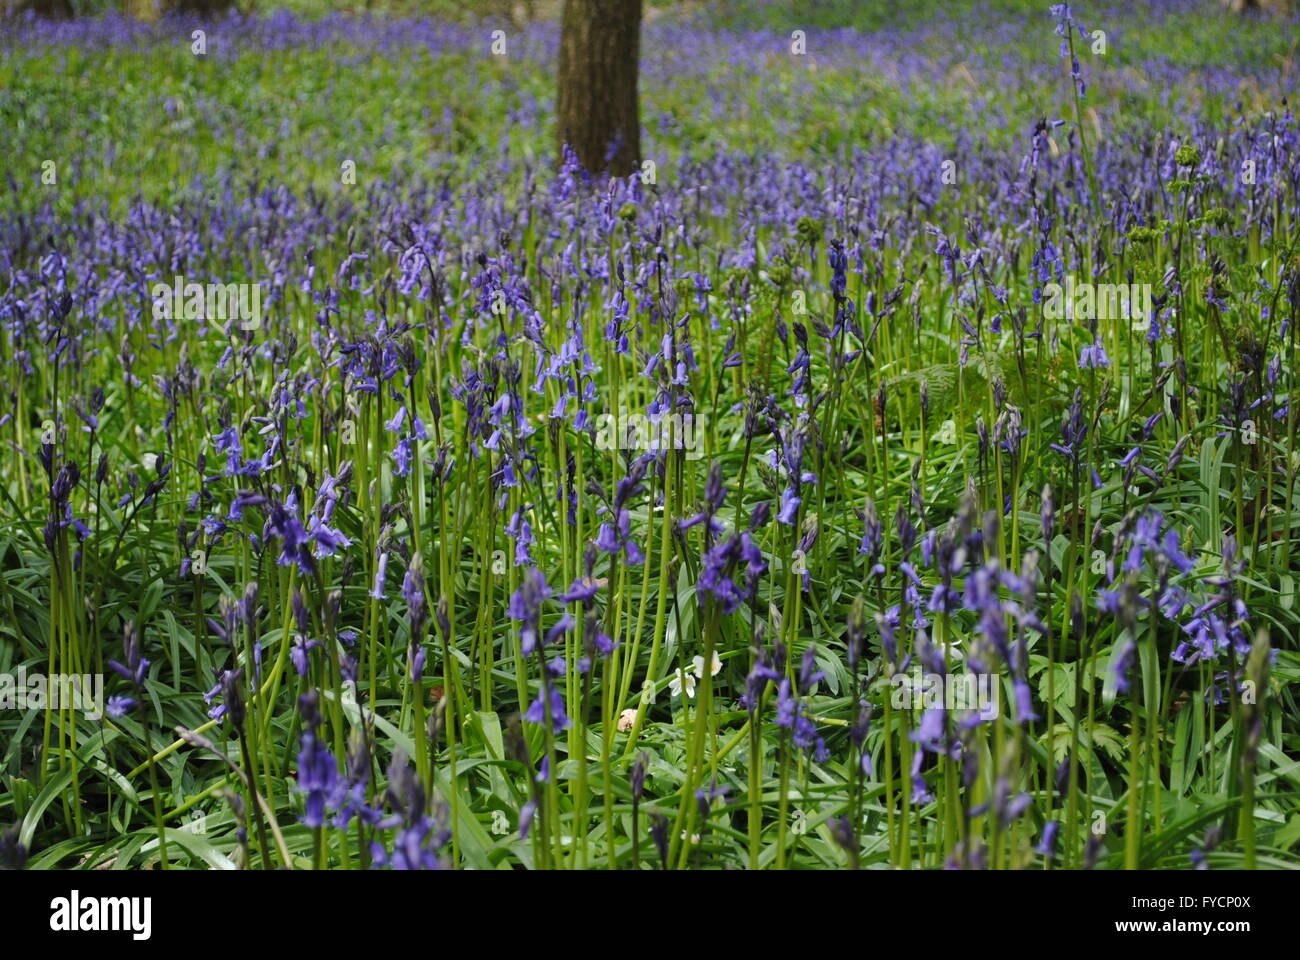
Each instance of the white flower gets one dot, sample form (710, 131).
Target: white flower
(675, 684)
(713, 670)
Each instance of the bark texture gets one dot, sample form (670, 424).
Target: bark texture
(597, 113)
(46, 9)
(200, 8)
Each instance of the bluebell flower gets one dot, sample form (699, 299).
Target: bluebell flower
(536, 713)
(1093, 356)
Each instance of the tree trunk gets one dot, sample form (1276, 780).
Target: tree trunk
(597, 111)
(46, 9)
(200, 8)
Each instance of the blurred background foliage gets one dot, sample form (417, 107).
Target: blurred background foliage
(740, 14)
(982, 70)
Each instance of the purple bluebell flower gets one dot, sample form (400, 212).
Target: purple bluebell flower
(552, 698)
(526, 606)
(317, 770)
